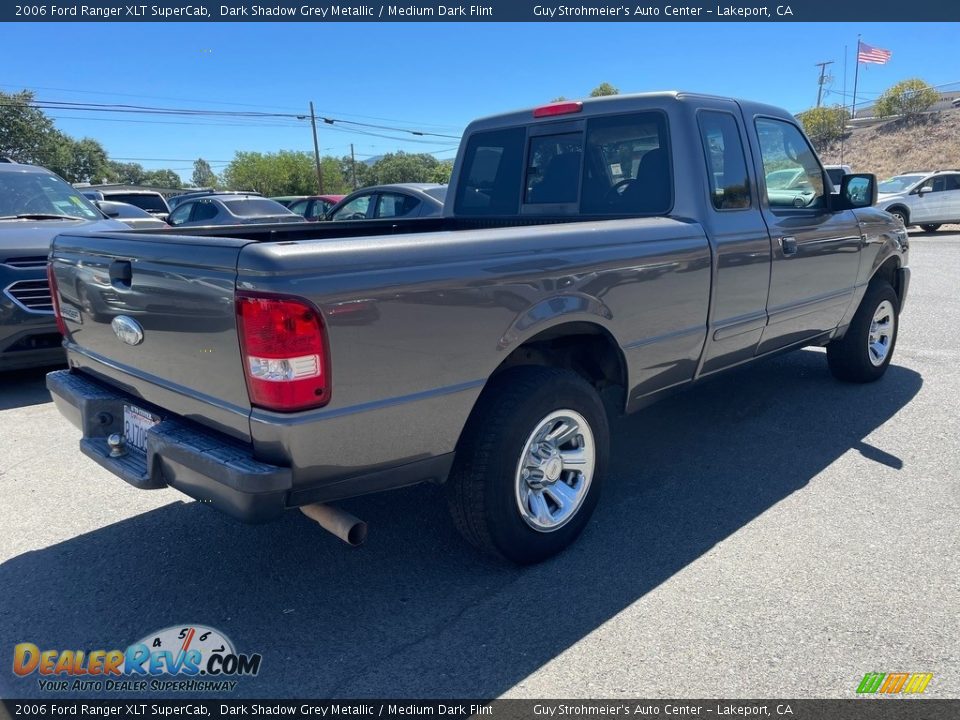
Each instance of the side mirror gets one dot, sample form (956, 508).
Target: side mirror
(108, 213)
(925, 189)
(857, 191)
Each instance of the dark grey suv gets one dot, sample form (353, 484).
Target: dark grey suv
(35, 206)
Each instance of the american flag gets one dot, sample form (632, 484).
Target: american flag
(867, 54)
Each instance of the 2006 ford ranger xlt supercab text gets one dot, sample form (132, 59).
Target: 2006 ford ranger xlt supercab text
(592, 256)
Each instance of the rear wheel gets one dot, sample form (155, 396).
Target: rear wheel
(864, 352)
(529, 465)
(929, 228)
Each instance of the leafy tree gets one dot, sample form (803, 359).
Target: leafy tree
(203, 175)
(287, 172)
(401, 167)
(162, 178)
(129, 173)
(910, 97)
(604, 89)
(824, 124)
(26, 134)
(442, 172)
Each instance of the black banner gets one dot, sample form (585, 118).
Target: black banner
(853, 709)
(641, 11)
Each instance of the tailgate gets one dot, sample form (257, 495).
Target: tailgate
(175, 343)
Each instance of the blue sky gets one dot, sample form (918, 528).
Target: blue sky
(433, 77)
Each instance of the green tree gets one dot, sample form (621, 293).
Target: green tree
(129, 173)
(26, 134)
(287, 172)
(908, 98)
(203, 175)
(824, 125)
(162, 178)
(604, 89)
(401, 167)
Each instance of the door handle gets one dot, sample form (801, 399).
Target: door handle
(788, 245)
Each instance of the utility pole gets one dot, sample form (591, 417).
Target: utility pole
(316, 148)
(823, 75)
(353, 167)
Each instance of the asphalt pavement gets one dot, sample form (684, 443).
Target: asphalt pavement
(771, 533)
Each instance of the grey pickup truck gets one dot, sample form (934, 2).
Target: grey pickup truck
(593, 256)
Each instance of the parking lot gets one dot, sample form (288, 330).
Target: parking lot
(770, 533)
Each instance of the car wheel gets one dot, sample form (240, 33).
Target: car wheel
(901, 215)
(929, 228)
(864, 352)
(529, 465)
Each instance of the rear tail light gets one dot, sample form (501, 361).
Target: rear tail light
(285, 356)
(52, 280)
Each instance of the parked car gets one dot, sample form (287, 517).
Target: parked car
(230, 210)
(129, 215)
(149, 200)
(927, 199)
(836, 173)
(35, 205)
(391, 201)
(176, 200)
(592, 254)
(90, 194)
(314, 207)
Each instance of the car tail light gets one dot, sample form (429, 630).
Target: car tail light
(285, 355)
(52, 280)
(560, 108)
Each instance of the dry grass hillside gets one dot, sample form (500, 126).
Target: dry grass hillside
(930, 142)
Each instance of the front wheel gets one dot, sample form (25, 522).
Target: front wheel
(864, 352)
(901, 215)
(929, 228)
(529, 465)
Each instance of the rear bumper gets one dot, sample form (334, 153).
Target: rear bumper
(207, 466)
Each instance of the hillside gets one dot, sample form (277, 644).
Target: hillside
(930, 142)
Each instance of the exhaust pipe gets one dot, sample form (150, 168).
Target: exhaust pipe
(345, 526)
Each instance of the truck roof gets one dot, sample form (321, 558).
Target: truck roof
(608, 104)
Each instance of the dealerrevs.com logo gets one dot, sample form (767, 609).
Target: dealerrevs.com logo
(187, 658)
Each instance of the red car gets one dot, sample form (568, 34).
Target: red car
(314, 207)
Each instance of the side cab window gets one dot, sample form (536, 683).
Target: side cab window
(793, 176)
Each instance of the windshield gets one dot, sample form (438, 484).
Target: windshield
(255, 207)
(899, 183)
(28, 193)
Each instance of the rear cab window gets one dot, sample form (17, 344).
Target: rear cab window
(616, 165)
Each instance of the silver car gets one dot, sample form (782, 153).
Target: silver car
(927, 199)
(408, 200)
(230, 210)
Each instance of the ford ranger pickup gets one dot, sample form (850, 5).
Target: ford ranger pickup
(592, 257)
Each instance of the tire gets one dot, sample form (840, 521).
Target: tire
(855, 356)
(929, 228)
(497, 485)
(902, 215)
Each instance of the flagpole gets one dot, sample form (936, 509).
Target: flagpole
(843, 122)
(856, 76)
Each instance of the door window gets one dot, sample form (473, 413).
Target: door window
(181, 214)
(726, 166)
(203, 210)
(794, 177)
(396, 205)
(356, 209)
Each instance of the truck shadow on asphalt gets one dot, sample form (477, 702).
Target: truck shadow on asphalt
(415, 613)
(21, 388)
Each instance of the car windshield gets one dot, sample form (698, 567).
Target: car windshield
(255, 207)
(899, 183)
(145, 201)
(40, 193)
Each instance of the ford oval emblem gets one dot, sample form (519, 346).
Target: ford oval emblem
(127, 329)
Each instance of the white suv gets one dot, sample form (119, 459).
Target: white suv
(927, 199)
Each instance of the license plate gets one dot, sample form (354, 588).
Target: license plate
(136, 422)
